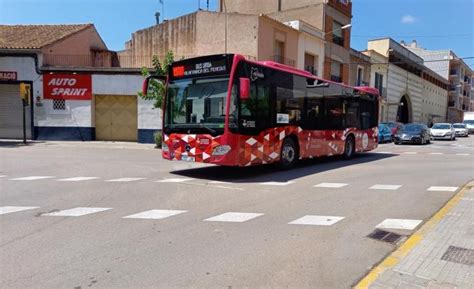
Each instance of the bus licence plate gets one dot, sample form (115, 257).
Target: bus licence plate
(188, 159)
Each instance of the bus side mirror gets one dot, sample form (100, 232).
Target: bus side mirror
(244, 88)
(148, 83)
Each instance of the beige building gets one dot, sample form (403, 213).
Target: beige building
(411, 92)
(451, 67)
(310, 47)
(359, 69)
(203, 33)
(330, 16)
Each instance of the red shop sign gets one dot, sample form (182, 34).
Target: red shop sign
(67, 86)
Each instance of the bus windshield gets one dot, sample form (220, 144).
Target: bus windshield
(197, 104)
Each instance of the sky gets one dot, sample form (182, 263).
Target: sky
(435, 24)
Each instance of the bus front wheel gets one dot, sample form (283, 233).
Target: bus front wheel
(289, 154)
(349, 148)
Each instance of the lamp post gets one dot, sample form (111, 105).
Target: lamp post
(330, 42)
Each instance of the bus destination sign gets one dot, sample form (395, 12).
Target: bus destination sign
(200, 68)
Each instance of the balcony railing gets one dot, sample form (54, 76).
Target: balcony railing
(284, 60)
(453, 72)
(451, 103)
(338, 40)
(311, 70)
(336, 78)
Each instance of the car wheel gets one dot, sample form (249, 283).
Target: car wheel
(349, 148)
(289, 154)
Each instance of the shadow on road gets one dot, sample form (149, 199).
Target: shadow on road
(268, 173)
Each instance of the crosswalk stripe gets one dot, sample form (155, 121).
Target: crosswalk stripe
(32, 178)
(383, 152)
(219, 183)
(13, 209)
(463, 154)
(77, 179)
(410, 153)
(233, 217)
(125, 180)
(399, 224)
(436, 153)
(442, 189)
(385, 187)
(330, 185)
(174, 180)
(276, 183)
(2, 176)
(155, 214)
(317, 220)
(76, 212)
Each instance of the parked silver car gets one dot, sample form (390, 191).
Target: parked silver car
(461, 129)
(443, 131)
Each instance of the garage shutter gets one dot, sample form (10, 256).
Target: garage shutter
(11, 115)
(116, 117)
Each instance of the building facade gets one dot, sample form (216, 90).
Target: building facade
(411, 92)
(447, 64)
(72, 96)
(359, 69)
(333, 17)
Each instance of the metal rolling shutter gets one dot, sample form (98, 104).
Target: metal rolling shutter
(11, 115)
(116, 117)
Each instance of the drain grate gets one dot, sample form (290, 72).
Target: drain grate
(459, 255)
(385, 236)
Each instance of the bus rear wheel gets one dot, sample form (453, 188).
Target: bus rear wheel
(349, 148)
(289, 154)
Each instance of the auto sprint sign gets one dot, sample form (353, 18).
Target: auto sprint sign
(67, 86)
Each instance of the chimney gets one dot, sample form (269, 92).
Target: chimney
(157, 16)
(413, 44)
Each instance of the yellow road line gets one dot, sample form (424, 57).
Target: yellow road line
(396, 256)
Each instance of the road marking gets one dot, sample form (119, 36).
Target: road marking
(463, 154)
(442, 189)
(174, 180)
(400, 224)
(76, 212)
(436, 153)
(276, 183)
(385, 187)
(155, 214)
(219, 182)
(32, 178)
(330, 185)
(11, 209)
(125, 180)
(233, 217)
(2, 176)
(383, 152)
(316, 220)
(409, 153)
(77, 179)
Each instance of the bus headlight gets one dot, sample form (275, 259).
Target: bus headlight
(221, 150)
(165, 148)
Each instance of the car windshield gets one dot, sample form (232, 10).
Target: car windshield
(197, 103)
(411, 128)
(441, 126)
(469, 121)
(459, 125)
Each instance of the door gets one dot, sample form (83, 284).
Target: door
(11, 113)
(116, 117)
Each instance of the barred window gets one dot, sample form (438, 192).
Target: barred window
(59, 104)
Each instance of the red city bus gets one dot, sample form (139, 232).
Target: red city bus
(226, 110)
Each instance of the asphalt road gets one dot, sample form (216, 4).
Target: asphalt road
(180, 244)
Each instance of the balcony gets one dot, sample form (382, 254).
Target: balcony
(336, 78)
(451, 103)
(453, 72)
(284, 60)
(338, 40)
(311, 70)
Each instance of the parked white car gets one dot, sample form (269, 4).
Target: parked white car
(460, 129)
(443, 131)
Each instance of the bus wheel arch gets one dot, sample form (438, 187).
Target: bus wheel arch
(349, 147)
(290, 152)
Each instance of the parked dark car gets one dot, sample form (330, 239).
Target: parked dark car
(394, 127)
(413, 133)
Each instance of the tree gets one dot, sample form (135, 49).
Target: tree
(156, 89)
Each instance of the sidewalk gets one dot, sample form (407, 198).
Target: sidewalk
(85, 144)
(439, 255)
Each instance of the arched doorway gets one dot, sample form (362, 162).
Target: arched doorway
(404, 108)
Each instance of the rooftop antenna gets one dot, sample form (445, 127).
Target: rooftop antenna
(207, 5)
(162, 8)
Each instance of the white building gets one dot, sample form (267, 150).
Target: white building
(411, 92)
(310, 47)
(451, 67)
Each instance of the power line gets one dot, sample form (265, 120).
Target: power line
(417, 36)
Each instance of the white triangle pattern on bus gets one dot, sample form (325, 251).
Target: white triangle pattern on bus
(205, 156)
